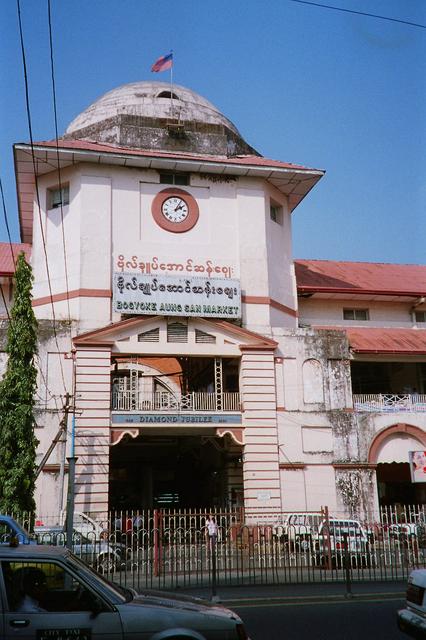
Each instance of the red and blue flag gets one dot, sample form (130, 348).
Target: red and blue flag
(163, 63)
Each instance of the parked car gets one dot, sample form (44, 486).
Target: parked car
(298, 528)
(74, 600)
(412, 619)
(11, 531)
(344, 538)
(105, 557)
(82, 523)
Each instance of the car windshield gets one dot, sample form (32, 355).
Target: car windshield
(119, 593)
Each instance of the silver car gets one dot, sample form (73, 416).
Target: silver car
(47, 593)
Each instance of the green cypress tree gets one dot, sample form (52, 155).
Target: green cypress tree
(17, 440)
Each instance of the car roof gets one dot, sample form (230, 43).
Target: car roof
(32, 551)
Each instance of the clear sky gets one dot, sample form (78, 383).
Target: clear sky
(303, 84)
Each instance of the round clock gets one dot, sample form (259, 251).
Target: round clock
(175, 210)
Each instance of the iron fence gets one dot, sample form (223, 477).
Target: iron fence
(167, 549)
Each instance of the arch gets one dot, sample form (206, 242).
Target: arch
(313, 387)
(381, 436)
(167, 94)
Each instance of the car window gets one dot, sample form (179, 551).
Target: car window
(119, 593)
(45, 586)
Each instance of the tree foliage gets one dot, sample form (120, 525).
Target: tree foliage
(17, 388)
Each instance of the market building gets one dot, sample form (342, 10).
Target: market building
(207, 367)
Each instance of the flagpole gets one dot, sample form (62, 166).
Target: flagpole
(171, 82)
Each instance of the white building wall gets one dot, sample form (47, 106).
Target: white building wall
(329, 312)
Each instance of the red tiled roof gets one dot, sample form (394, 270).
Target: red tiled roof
(86, 145)
(395, 341)
(7, 262)
(328, 276)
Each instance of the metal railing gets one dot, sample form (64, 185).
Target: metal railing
(389, 402)
(127, 400)
(169, 549)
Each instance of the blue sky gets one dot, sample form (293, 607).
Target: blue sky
(326, 89)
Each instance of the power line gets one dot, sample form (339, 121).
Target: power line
(361, 13)
(52, 68)
(27, 102)
(6, 220)
(10, 245)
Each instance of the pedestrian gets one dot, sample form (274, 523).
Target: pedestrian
(211, 529)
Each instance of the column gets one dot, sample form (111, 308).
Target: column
(93, 419)
(262, 495)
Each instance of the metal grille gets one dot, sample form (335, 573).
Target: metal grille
(168, 548)
(201, 337)
(177, 332)
(150, 336)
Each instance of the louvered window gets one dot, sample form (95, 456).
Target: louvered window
(150, 336)
(177, 332)
(204, 338)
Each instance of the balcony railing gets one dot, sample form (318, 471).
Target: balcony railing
(165, 401)
(389, 402)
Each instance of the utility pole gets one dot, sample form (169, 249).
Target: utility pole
(58, 438)
(63, 442)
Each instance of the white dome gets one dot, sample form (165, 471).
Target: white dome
(152, 100)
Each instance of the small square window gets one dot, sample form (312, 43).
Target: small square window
(356, 314)
(276, 213)
(57, 197)
(420, 316)
(174, 178)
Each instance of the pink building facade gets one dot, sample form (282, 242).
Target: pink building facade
(201, 372)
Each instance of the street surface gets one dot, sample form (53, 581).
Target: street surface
(348, 620)
(351, 620)
(327, 611)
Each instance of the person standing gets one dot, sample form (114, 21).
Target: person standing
(212, 529)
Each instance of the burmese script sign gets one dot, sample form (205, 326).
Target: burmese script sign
(176, 296)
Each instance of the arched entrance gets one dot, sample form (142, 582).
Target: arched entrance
(390, 451)
(178, 470)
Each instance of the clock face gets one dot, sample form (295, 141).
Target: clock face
(175, 209)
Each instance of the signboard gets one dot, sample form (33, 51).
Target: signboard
(263, 495)
(174, 418)
(138, 293)
(417, 465)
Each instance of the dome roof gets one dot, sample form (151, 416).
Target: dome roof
(151, 100)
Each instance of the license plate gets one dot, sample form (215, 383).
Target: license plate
(70, 633)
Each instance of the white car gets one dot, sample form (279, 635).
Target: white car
(342, 538)
(297, 529)
(412, 619)
(83, 524)
(48, 593)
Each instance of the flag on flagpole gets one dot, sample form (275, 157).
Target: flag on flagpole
(163, 63)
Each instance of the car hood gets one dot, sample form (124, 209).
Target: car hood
(163, 610)
(175, 600)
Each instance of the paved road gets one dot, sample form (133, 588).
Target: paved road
(356, 619)
(316, 611)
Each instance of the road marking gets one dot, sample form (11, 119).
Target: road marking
(305, 603)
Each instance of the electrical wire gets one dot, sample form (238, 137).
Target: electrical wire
(48, 392)
(360, 13)
(10, 244)
(6, 221)
(27, 102)
(55, 113)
